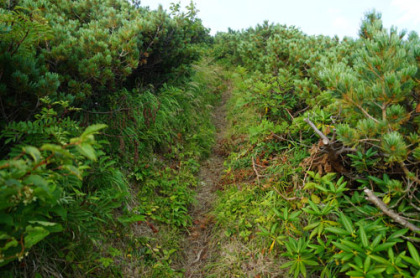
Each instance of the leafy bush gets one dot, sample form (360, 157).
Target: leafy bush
(66, 68)
(36, 185)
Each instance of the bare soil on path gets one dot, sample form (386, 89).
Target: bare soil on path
(198, 248)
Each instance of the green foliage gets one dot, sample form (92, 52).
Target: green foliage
(24, 77)
(362, 95)
(119, 63)
(300, 255)
(34, 185)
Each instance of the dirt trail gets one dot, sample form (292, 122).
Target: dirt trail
(198, 246)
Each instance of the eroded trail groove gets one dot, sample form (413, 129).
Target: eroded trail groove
(198, 247)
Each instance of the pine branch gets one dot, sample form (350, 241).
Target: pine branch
(395, 216)
(408, 174)
(365, 112)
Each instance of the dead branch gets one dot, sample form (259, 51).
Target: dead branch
(255, 170)
(198, 256)
(284, 197)
(382, 206)
(290, 114)
(342, 150)
(324, 138)
(281, 138)
(408, 174)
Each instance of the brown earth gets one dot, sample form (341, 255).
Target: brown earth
(198, 247)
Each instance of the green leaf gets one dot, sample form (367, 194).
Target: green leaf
(37, 181)
(49, 226)
(74, 170)
(288, 264)
(409, 260)
(131, 219)
(347, 223)
(310, 262)
(302, 269)
(310, 185)
(11, 243)
(93, 129)
(366, 265)
(297, 270)
(376, 241)
(4, 235)
(363, 237)
(314, 232)
(314, 206)
(56, 149)
(352, 245)
(398, 234)
(295, 214)
(33, 152)
(384, 246)
(311, 226)
(379, 259)
(87, 150)
(338, 231)
(342, 247)
(377, 270)
(413, 252)
(355, 273)
(34, 235)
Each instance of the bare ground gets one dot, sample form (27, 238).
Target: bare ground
(198, 247)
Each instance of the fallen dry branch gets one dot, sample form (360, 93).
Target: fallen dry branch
(284, 197)
(255, 170)
(198, 256)
(382, 206)
(324, 138)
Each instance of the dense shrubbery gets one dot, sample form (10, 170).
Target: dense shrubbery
(329, 128)
(65, 68)
(336, 137)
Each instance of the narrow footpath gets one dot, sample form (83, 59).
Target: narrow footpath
(198, 246)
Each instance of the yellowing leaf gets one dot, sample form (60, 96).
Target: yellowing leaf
(315, 199)
(272, 245)
(387, 199)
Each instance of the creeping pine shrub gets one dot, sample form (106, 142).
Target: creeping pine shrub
(362, 95)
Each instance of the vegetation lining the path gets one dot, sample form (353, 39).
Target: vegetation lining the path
(77, 197)
(105, 115)
(323, 170)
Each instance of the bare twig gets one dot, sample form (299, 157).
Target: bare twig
(198, 256)
(324, 138)
(382, 206)
(255, 170)
(408, 174)
(284, 197)
(306, 174)
(290, 114)
(342, 150)
(285, 139)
